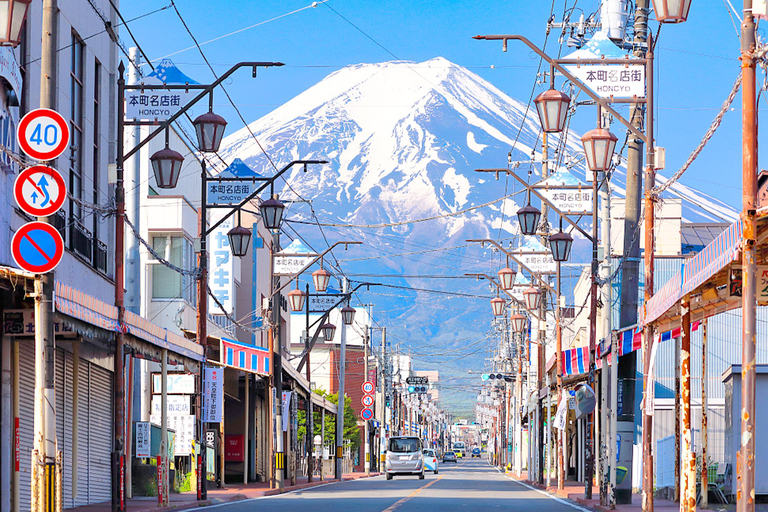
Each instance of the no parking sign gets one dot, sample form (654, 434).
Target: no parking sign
(37, 247)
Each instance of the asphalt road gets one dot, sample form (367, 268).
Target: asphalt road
(469, 485)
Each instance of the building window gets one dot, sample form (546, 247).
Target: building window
(166, 282)
(76, 125)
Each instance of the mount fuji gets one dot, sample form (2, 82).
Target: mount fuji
(402, 140)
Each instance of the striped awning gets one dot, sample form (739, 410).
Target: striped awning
(575, 361)
(631, 340)
(81, 306)
(244, 356)
(695, 272)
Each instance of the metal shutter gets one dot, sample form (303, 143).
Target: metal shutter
(101, 434)
(26, 420)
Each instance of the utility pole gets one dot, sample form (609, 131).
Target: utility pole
(202, 330)
(608, 413)
(278, 369)
(560, 396)
(45, 344)
(541, 352)
(386, 419)
(366, 340)
(310, 427)
(630, 275)
(342, 401)
(746, 457)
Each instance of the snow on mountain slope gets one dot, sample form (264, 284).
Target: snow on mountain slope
(403, 140)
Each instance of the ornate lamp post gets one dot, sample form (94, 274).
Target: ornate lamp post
(12, 15)
(552, 106)
(671, 11)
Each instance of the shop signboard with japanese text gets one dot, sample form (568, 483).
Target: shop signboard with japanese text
(227, 192)
(291, 264)
(158, 104)
(570, 201)
(213, 394)
(538, 262)
(21, 322)
(612, 80)
(222, 270)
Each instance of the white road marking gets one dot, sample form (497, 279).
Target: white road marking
(548, 495)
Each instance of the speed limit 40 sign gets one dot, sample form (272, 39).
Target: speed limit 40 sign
(43, 134)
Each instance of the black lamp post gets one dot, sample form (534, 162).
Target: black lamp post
(328, 331)
(560, 244)
(348, 315)
(528, 216)
(166, 164)
(210, 130)
(272, 213)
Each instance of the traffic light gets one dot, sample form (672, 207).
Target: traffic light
(417, 389)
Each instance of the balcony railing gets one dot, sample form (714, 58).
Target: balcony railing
(100, 255)
(81, 240)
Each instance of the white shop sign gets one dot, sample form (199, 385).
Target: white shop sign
(290, 264)
(570, 201)
(143, 444)
(177, 405)
(184, 426)
(155, 105)
(228, 192)
(538, 263)
(617, 80)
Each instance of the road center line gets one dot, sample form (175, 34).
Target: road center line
(397, 504)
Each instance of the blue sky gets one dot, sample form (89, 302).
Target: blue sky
(697, 60)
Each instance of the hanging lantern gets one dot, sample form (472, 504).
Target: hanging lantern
(599, 145)
(12, 15)
(239, 238)
(210, 130)
(532, 298)
(321, 278)
(560, 245)
(296, 299)
(518, 323)
(507, 278)
(272, 213)
(348, 315)
(497, 305)
(671, 11)
(528, 216)
(166, 165)
(328, 331)
(553, 109)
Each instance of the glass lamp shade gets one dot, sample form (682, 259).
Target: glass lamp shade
(272, 213)
(518, 323)
(296, 299)
(599, 145)
(328, 331)
(532, 298)
(321, 278)
(553, 108)
(497, 305)
(239, 238)
(348, 315)
(507, 278)
(528, 216)
(210, 130)
(166, 165)
(12, 15)
(560, 245)
(671, 11)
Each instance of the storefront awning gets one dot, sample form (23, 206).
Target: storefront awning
(162, 337)
(85, 308)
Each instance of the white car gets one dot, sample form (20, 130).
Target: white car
(404, 457)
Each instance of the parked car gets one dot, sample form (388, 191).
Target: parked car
(450, 457)
(475, 453)
(430, 460)
(404, 457)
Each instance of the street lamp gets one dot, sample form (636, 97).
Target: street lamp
(560, 245)
(272, 213)
(671, 11)
(166, 165)
(598, 147)
(321, 278)
(532, 298)
(518, 322)
(239, 238)
(348, 315)
(528, 216)
(328, 331)
(296, 299)
(497, 305)
(12, 14)
(210, 130)
(553, 108)
(507, 277)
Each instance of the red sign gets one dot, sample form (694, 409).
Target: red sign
(43, 134)
(367, 400)
(368, 387)
(39, 191)
(37, 247)
(160, 488)
(235, 448)
(366, 414)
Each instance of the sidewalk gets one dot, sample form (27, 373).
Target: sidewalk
(232, 492)
(574, 491)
